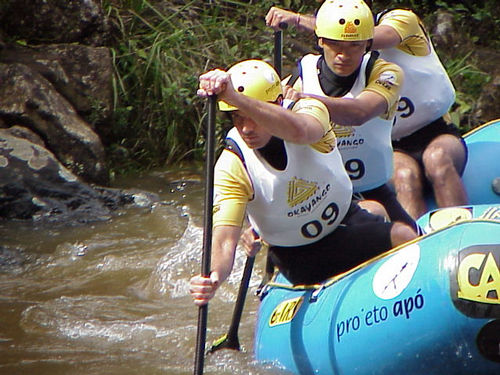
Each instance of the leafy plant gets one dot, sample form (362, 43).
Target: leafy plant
(468, 81)
(161, 49)
(475, 17)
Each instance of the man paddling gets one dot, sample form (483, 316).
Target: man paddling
(429, 153)
(361, 92)
(282, 168)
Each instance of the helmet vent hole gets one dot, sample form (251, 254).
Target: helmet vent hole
(356, 22)
(241, 89)
(342, 21)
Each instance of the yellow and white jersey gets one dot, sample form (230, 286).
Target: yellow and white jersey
(427, 93)
(291, 207)
(366, 149)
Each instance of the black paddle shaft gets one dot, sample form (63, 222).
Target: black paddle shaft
(245, 279)
(278, 66)
(230, 340)
(278, 49)
(207, 232)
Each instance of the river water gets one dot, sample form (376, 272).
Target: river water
(112, 297)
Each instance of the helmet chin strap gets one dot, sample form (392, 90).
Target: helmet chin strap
(369, 45)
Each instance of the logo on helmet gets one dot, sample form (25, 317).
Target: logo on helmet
(270, 79)
(269, 76)
(350, 31)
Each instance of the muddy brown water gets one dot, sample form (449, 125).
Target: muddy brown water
(112, 297)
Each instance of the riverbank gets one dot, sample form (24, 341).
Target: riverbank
(150, 53)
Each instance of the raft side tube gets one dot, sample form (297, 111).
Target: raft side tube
(406, 312)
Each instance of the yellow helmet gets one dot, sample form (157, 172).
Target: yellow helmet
(256, 79)
(349, 20)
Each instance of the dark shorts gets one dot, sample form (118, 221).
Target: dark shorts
(360, 237)
(387, 197)
(415, 143)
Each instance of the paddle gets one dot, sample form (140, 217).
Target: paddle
(278, 48)
(230, 340)
(278, 65)
(207, 233)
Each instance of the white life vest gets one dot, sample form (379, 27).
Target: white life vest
(427, 92)
(366, 149)
(300, 204)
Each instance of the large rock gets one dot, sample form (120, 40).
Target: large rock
(444, 33)
(35, 186)
(82, 74)
(60, 21)
(487, 104)
(487, 108)
(27, 98)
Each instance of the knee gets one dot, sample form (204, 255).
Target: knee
(401, 233)
(437, 164)
(405, 176)
(374, 207)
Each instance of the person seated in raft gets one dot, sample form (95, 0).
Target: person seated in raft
(429, 152)
(281, 169)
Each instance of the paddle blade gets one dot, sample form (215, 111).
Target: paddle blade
(225, 342)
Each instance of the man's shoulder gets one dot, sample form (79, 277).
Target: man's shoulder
(386, 79)
(381, 66)
(315, 108)
(308, 104)
(230, 160)
(413, 34)
(406, 15)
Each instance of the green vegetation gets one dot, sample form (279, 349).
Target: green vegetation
(161, 47)
(475, 18)
(471, 81)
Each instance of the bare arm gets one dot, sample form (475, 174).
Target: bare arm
(385, 37)
(354, 111)
(251, 242)
(287, 125)
(224, 241)
(276, 16)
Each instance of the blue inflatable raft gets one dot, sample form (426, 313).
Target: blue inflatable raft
(431, 306)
